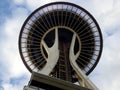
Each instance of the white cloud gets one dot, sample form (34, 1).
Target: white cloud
(17, 86)
(12, 65)
(18, 2)
(106, 75)
(111, 18)
(35, 4)
(10, 44)
(8, 86)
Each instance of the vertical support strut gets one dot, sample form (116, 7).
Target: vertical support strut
(82, 78)
(53, 55)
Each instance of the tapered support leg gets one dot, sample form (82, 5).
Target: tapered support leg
(82, 78)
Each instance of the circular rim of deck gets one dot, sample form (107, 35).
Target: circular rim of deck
(62, 3)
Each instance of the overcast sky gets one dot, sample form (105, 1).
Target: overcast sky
(13, 73)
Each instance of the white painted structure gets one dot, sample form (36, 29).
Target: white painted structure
(84, 42)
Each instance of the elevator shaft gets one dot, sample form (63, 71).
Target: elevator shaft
(64, 68)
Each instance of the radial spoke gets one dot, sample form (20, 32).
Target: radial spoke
(38, 27)
(84, 62)
(32, 33)
(40, 23)
(84, 25)
(32, 60)
(73, 17)
(58, 16)
(46, 18)
(33, 29)
(38, 61)
(91, 43)
(43, 61)
(82, 65)
(50, 17)
(80, 22)
(66, 16)
(88, 31)
(32, 55)
(69, 17)
(73, 26)
(86, 58)
(43, 21)
(54, 17)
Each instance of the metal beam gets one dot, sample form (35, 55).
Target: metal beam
(43, 82)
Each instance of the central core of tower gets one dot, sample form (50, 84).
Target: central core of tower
(63, 69)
